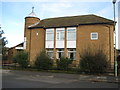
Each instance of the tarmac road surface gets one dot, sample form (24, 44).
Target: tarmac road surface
(31, 79)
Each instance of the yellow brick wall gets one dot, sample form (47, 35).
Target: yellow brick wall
(29, 21)
(105, 40)
(37, 43)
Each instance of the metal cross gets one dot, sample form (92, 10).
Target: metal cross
(32, 9)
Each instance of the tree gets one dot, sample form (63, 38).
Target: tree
(1, 32)
(3, 47)
(43, 61)
(21, 58)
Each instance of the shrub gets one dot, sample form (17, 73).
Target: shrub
(43, 61)
(21, 58)
(118, 61)
(93, 63)
(63, 63)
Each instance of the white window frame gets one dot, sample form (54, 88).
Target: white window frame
(57, 55)
(71, 31)
(24, 44)
(57, 31)
(92, 36)
(47, 32)
(74, 51)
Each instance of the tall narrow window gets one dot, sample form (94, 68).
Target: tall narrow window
(72, 54)
(50, 34)
(71, 34)
(24, 44)
(94, 36)
(60, 34)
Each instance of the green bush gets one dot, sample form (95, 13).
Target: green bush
(43, 62)
(63, 63)
(21, 58)
(93, 63)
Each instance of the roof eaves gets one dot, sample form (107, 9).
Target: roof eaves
(62, 26)
(35, 27)
(33, 24)
(110, 23)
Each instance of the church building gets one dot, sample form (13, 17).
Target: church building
(68, 36)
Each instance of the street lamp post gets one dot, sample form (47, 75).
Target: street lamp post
(115, 58)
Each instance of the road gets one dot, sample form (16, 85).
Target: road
(31, 79)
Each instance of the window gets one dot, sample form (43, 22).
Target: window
(71, 34)
(72, 54)
(94, 36)
(24, 44)
(60, 34)
(50, 53)
(50, 34)
(60, 53)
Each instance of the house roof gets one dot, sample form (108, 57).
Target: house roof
(21, 44)
(32, 14)
(72, 21)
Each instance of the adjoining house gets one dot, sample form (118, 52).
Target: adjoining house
(13, 50)
(68, 36)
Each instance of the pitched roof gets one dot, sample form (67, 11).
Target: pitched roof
(72, 21)
(21, 44)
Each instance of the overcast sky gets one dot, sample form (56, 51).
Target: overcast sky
(14, 12)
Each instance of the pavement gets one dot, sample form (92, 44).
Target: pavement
(101, 78)
(110, 78)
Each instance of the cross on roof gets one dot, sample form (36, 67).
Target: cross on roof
(32, 9)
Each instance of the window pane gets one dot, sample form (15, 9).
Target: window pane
(50, 54)
(94, 35)
(49, 31)
(57, 36)
(71, 30)
(50, 36)
(71, 34)
(60, 34)
(72, 54)
(60, 53)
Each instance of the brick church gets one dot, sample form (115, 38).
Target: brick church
(67, 36)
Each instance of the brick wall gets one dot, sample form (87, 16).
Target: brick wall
(105, 40)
